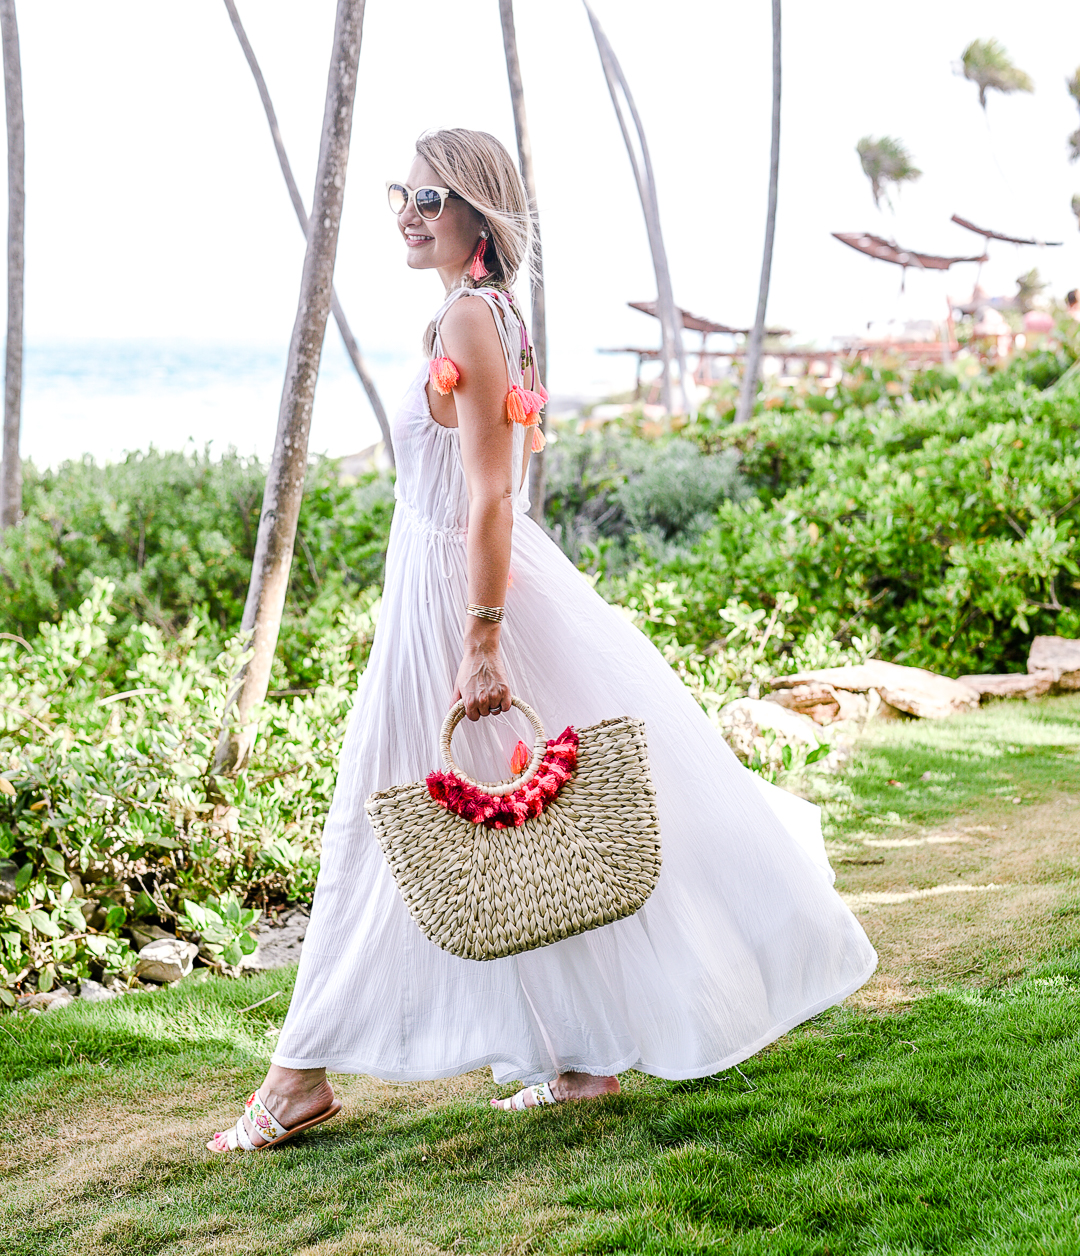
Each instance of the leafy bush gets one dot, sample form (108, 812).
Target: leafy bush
(224, 927)
(105, 815)
(950, 527)
(175, 534)
(602, 487)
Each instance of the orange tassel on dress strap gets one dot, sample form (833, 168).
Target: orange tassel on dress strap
(444, 375)
(522, 404)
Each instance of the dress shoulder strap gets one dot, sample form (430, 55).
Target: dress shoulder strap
(522, 405)
(507, 324)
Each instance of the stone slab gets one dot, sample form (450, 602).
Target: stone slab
(912, 690)
(1011, 684)
(1060, 655)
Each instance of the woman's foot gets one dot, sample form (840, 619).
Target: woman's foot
(293, 1096)
(566, 1086)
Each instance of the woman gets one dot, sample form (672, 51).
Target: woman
(743, 936)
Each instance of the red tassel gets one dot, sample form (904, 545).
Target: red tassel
(478, 270)
(526, 801)
(444, 375)
(519, 760)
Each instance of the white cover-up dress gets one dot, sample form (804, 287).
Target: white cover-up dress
(743, 937)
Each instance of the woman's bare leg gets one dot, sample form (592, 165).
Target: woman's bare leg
(583, 1086)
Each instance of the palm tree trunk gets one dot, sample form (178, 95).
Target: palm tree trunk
(351, 347)
(11, 467)
(525, 161)
(671, 342)
(288, 468)
(753, 355)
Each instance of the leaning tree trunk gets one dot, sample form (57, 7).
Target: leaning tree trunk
(752, 364)
(351, 347)
(288, 468)
(539, 326)
(11, 467)
(671, 343)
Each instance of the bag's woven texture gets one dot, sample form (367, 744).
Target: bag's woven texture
(591, 857)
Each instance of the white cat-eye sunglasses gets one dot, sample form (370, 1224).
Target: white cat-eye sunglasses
(429, 201)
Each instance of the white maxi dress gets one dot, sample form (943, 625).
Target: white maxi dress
(743, 937)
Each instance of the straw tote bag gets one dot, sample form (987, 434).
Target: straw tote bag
(489, 870)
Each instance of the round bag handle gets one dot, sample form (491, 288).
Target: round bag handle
(496, 789)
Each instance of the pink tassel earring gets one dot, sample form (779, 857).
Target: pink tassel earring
(478, 270)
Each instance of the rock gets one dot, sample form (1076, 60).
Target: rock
(908, 689)
(46, 1001)
(8, 871)
(1059, 655)
(95, 992)
(745, 719)
(143, 935)
(1011, 684)
(279, 940)
(166, 959)
(825, 704)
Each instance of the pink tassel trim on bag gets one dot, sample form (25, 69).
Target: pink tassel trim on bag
(509, 810)
(444, 375)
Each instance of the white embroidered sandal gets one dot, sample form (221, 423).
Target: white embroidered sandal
(541, 1096)
(267, 1127)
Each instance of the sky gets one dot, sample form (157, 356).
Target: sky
(156, 210)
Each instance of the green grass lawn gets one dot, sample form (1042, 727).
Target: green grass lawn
(943, 1120)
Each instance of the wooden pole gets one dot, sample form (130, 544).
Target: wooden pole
(753, 355)
(675, 400)
(351, 347)
(288, 468)
(528, 177)
(11, 466)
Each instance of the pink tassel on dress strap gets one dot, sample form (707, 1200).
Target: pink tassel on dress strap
(444, 375)
(522, 405)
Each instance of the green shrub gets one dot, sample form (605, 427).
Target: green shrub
(603, 487)
(951, 527)
(175, 534)
(105, 814)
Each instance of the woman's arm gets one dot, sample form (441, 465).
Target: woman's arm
(470, 340)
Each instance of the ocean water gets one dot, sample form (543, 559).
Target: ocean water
(108, 397)
(105, 398)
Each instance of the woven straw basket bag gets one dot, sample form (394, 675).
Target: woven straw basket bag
(489, 870)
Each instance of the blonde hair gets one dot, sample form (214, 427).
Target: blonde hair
(478, 168)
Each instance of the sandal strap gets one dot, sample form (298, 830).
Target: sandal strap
(265, 1123)
(239, 1139)
(542, 1094)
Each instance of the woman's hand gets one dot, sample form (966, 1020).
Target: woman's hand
(481, 680)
